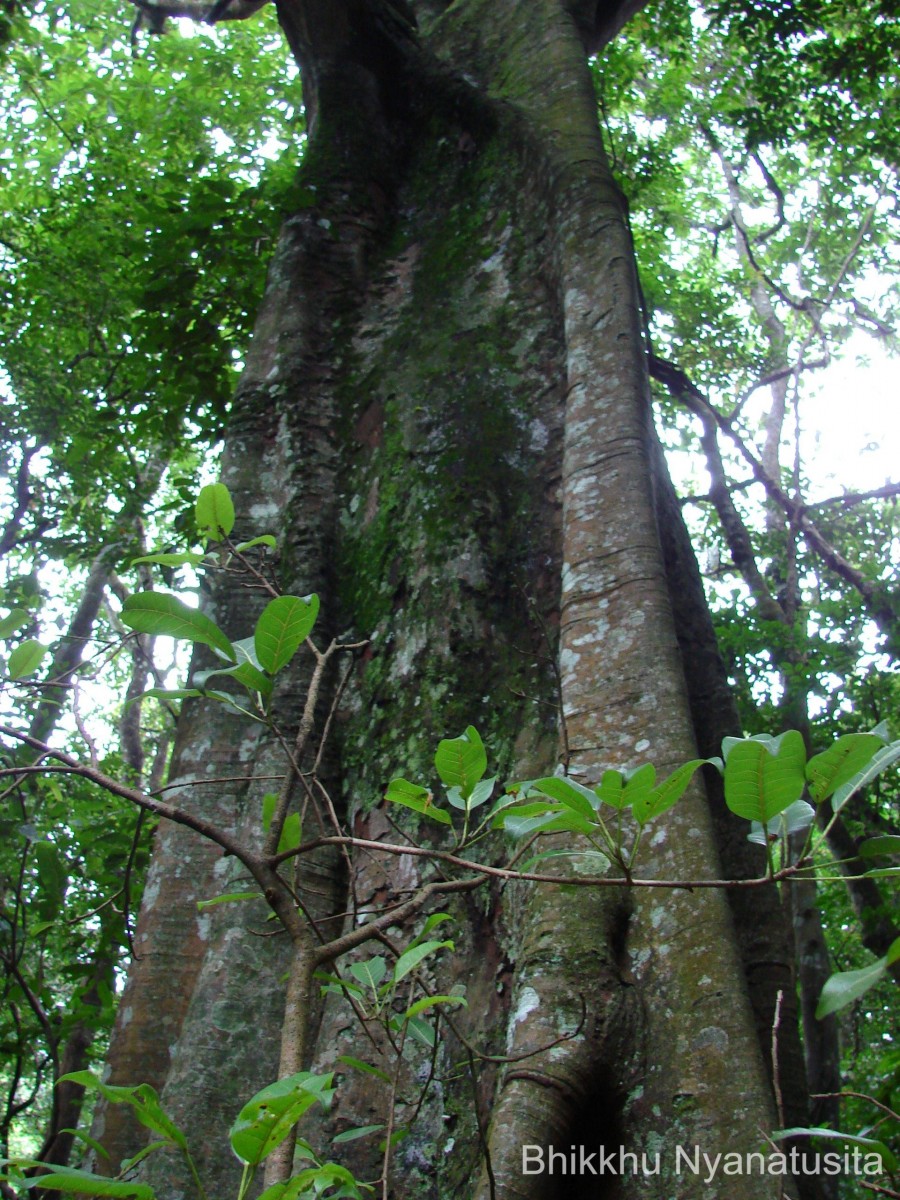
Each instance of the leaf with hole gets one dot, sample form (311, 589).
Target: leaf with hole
(266, 1120)
(416, 797)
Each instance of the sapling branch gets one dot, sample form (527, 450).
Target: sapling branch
(485, 869)
(295, 753)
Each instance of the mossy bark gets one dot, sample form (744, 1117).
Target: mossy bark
(446, 415)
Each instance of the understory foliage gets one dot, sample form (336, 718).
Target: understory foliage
(144, 185)
(765, 780)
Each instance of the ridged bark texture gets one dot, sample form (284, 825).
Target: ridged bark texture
(446, 418)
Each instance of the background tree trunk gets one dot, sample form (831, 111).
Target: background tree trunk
(446, 418)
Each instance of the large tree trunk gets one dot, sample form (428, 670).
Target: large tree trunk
(446, 416)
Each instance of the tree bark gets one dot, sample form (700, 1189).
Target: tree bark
(446, 417)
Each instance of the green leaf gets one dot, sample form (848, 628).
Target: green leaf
(888, 843)
(764, 777)
(420, 1030)
(129, 1164)
(291, 833)
(455, 799)
(214, 512)
(359, 1065)
(660, 799)
(846, 986)
(26, 659)
(83, 1183)
(481, 793)
(410, 959)
(228, 898)
(171, 560)
(545, 818)
(283, 625)
(888, 1160)
(264, 539)
(611, 789)
(432, 922)
(369, 973)
(88, 1141)
(54, 878)
(162, 613)
(315, 1182)
(13, 621)
(350, 1135)
(165, 694)
(416, 797)
(142, 1099)
(333, 986)
(639, 785)
(840, 762)
(266, 1120)
(885, 757)
(594, 859)
(796, 818)
(572, 795)
(431, 1001)
(461, 761)
(243, 672)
